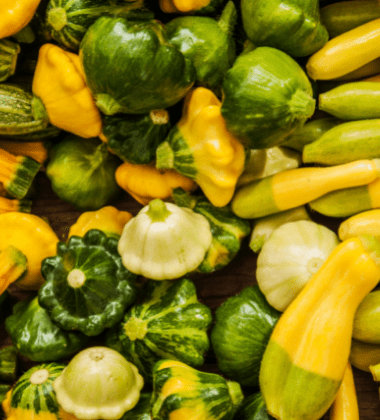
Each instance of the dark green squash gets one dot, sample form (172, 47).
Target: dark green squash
(87, 287)
(169, 323)
(135, 138)
(253, 408)
(266, 97)
(207, 42)
(39, 339)
(243, 325)
(82, 172)
(9, 52)
(8, 364)
(292, 26)
(158, 74)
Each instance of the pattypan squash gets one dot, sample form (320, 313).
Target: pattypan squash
(37, 337)
(87, 287)
(143, 337)
(59, 84)
(158, 74)
(98, 383)
(82, 172)
(200, 147)
(164, 241)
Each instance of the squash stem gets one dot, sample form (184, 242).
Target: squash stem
(228, 18)
(157, 210)
(235, 392)
(375, 370)
(302, 104)
(164, 156)
(57, 18)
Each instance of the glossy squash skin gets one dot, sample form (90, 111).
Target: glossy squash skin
(169, 322)
(291, 26)
(243, 325)
(87, 287)
(113, 44)
(266, 97)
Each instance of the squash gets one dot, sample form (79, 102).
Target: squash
(8, 363)
(36, 337)
(266, 97)
(9, 52)
(295, 187)
(164, 241)
(135, 138)
(207, 42)
(198, 7)
(367, 319)
(141, 411)
(136, 45)
(13, 265)
(168, 322)
(243, 325)
(66, 98)
(290, 257)
(253, 408)
(15, 15)
(67, 21)
(108, 219)
(98, 383)
(37, 150)
(291, 26)
(200, 147)
(33, 237)
(302, 351)
(363, 355)
(363, 223)
(144, 182)
(87, 287)
(13, 205)
(82, 172)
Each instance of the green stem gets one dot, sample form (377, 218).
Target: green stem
(302, 104)
(228, 18)
(164, 156)
(158, 211)
(26, 35)
(235, 392)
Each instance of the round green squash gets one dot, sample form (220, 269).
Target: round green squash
(243, 325)
(36, 337)
(266, 97)
(169, 323)
(157, 76)
(82, 172)
(87, 287)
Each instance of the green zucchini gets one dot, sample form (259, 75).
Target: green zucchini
(9, 52)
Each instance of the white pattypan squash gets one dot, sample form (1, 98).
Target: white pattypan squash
(164, 241)
(290, 257)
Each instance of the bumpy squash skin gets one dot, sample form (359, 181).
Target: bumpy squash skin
(266, 97)
(158, 77)
(243, 325)
(169, 322)
(99, 293)
(291, 26)
(37, 337)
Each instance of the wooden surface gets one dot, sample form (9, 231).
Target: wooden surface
(212, 289)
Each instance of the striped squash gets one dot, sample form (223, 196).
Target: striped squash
(9, 52)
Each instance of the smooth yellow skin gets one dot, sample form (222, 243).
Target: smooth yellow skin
(365, 223)
(346, 52)
(15, 15)
(330, 300)
(345, 405)
(12, 265)
(219, 156)
(182, 6)
(107, 219)
(34, 149)
(145, 182)
(33, 237)
(60, 84)
(299, 186)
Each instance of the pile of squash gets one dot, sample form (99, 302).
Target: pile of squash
(231, 123)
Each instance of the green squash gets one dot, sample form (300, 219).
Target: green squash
(8, 364)
(266, 97)
(67, 21)
(292, 26)
(4, 389)
(87, 287)
(158, 74)
(253, 408)
(243, 325)
(192, 394)
(141, 411)
(135, 138)
(169, 323)
(39, 339)
(9, 52)
(207, 42)
(82, 172)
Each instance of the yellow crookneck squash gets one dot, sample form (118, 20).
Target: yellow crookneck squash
(15, 15)
(59, 83)
(201, 148)
(304, 363)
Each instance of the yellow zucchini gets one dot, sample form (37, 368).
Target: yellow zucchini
(363, 223)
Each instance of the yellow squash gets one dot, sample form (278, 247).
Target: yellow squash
(13, 264)
(37, 150)
(364, 223)
(182, 6)
(60, 84)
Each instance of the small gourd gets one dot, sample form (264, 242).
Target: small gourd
(164, 241)
(98, 383)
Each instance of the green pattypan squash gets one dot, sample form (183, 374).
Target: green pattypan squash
(147, 71)
(87, 287)
(37, 337)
